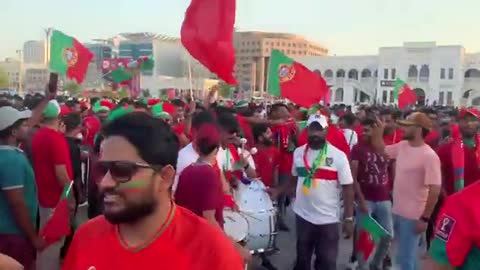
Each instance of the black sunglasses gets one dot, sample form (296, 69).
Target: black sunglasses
(122, 171)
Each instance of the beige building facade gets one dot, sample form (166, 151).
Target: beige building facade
(12, 68)
(253, 51)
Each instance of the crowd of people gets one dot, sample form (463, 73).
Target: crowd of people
(157, 175)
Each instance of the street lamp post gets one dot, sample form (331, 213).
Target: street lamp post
(20, 74)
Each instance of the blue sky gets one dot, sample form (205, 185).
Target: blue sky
(347, 27)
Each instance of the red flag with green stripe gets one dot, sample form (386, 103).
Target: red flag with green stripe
(292, 80)
(371, 234)
(58, 226)
(403, 94)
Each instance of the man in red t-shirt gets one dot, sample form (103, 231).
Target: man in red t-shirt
(53, 170)
(267, 158)
(142, 228)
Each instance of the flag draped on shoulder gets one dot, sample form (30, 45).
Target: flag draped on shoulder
(403, 94)
(207, 34)
(292, 80)
(69, 57)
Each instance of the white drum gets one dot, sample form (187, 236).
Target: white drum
(257, 207)
(235, 225)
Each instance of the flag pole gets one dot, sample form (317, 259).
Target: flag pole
(190, 76)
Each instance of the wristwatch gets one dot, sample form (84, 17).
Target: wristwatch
(348, 219)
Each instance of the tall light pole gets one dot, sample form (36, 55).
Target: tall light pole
(20, 76)
(48, 32)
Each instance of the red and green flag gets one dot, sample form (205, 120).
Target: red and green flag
(123, 74)
(292, 80)
(403, 94)
(69, 57)
(371, 235)
(58, 226)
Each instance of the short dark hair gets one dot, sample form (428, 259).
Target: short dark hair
(258, 130)
(5, 133)
(154, 140)
(368, 122)
(178, 103)
(348, 118)
(201, 118)
(277, 106)
(205, 147)
(228, 122)
(72, 121)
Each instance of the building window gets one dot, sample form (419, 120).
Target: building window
(449, 98)
(442, 73)
(394, 73)
(384, 96)
(450, 73)
(340, 73)
(412, 72)
(441, 98)
(424, 71)
(385, 73)
(339, 95)
(391, 97)
(288, 51)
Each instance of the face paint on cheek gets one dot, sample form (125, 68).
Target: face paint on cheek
(132, 186)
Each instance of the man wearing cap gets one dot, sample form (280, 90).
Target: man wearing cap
(322, 172)
(18, 194)
(416, 186)
(52, 165)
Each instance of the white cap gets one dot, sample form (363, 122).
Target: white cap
(318, 118)
(10, 115)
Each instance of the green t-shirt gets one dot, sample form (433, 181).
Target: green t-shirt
(16, 172)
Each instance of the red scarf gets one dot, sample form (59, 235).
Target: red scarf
(458, 156)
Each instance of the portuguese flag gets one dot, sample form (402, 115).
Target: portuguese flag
(68, 56)
(58, 226)
(292, 80)
(403, 94)
(371, 235)
(124, 74)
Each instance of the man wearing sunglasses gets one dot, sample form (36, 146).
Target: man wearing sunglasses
(142, 228)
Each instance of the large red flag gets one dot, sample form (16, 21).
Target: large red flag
(207, 33)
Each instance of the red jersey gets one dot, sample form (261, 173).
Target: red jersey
(433, 139)
(471, 170)
(393, 138)
(285, 135)
(267, 161)
(457, 233)
(49, 148)
(91, 125)
(187, 242)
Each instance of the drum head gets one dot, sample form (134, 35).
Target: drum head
(236, 226)
(253, 198)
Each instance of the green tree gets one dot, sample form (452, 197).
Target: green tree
(3, 79)
(73, 88)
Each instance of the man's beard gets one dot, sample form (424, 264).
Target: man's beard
(133, 212)
(315, 142)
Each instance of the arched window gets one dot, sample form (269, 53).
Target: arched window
(366, 73)
(424, 71)
(340, 73)
(412, 71)
(353, 74)
(472, 73)
(318, 72)
(339, 95)
(328, 73)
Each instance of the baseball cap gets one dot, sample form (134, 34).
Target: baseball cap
(417, 119)
(318, 118)
(10, 115)
(52, 110)
(468, 111)
(209, 133)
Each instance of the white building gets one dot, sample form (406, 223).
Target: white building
(438, 74)
(12, 67)
(34, 52)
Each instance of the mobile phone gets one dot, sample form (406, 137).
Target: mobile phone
(53, 83)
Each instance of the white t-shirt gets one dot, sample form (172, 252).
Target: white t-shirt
(351, 137)
(188, 156)
(322, 205)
